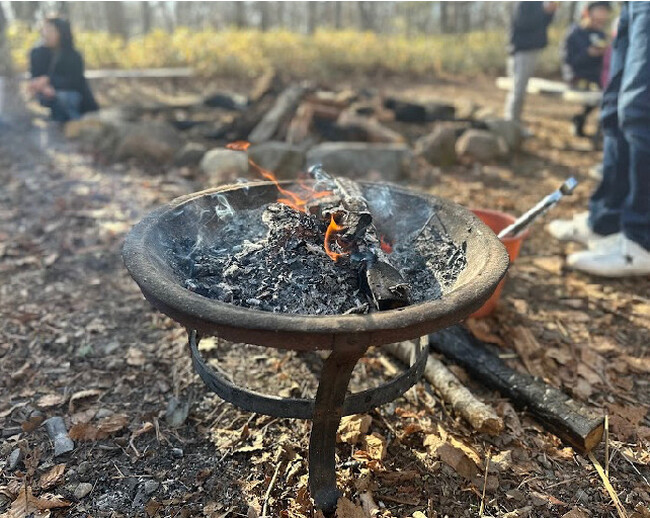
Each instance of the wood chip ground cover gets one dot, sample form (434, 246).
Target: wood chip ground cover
(78, 341)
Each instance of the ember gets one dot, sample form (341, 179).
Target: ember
(318, 260)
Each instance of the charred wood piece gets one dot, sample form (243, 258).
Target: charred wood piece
(384, 284)
(554, 410)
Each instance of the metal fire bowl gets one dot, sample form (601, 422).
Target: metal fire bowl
(148, 259)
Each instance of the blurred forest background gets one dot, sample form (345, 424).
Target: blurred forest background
(303, 39)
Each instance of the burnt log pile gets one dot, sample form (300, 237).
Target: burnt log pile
(299, 119)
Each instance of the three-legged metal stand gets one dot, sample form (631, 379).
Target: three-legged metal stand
(325, 411)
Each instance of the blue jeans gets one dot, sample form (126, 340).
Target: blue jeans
(65, 106)
(621, 202)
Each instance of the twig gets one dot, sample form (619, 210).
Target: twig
(487, 466)
(267, 495)
(479, 415)
(606, 424)
(608, 486)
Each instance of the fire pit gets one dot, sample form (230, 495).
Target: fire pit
(151, 256)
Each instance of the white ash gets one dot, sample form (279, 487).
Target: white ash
(272, 259)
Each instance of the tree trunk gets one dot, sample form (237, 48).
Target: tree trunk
(240, 15)
(145, 17)
(311, 17)
(265, 15)
(444, 17)
(366, 15)
(12, 107)
(115, 18)
(338, 16)
(25, 11)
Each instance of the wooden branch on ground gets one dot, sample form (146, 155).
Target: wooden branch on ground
(479, 415)
(552, 408)
(284, 107)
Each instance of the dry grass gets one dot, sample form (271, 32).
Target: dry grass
(324, 55)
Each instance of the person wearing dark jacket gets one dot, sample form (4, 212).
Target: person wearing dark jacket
(583, 51)
(528, 36)
(57, 72)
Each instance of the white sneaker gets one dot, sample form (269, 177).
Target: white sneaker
(604, 244)
(576, 229)
(626, 260)
(596, 172)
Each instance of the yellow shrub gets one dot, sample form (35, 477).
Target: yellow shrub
(325, 54)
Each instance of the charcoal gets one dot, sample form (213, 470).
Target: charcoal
(272, 259)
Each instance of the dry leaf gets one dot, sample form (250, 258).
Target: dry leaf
(641, 511)
(26, 503)
(624, 420)
(135, 357)
(346, 509)
(638, 456)
(352, 427)
(638, 365)
(80, 396)
(528, 349)
(50, 401)
(103, 429)
(374, 445)
(52, 477)
(32, 423)
(463, 459)
(208, 343)
(481, 329)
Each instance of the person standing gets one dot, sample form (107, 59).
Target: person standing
(57, 73)
(582, 55)
(528, 36)
(617, 226)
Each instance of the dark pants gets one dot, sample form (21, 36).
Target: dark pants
(65, 106)
(622, 201)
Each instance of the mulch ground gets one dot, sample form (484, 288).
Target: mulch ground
(79, 341)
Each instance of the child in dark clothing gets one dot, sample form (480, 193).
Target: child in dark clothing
(57, 72)
(583, 52)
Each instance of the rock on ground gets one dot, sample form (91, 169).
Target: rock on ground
(439, 146)
(190, 155)
(224, 165)
(283, 159)
(389, 162)
(509, 131)
(148, 141)
(480, 145)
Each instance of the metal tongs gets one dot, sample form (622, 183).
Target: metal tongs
(524, 221)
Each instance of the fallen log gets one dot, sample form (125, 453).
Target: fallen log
(282, 110)
(554, 410)
(479, 415)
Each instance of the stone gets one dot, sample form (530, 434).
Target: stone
(480, 145)
(190, 155)
(283, 159)
(14, 459)
(82, 490)
(439, 146)
(388, 162)
(177, 453)
(224, 165)
(150, 486)
(226, 101)
(58, 433)
(509, 131)
(177, 412)
(149, 141)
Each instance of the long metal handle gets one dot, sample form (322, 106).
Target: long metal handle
(542, 207)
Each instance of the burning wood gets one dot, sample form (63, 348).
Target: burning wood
(319, 250)
(353, 223)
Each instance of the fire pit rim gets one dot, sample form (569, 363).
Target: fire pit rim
(316, 331)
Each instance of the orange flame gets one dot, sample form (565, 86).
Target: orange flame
(385, 245)
(332, 229)
(290, 198)
(294, 200)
